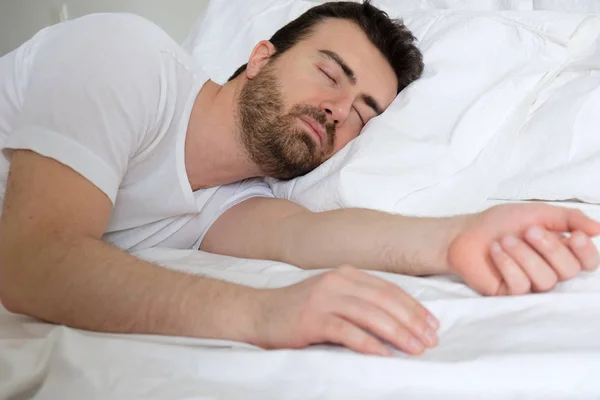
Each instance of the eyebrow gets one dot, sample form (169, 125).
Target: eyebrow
(369, 100)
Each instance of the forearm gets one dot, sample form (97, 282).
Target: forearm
(87, 284)
(368, 239)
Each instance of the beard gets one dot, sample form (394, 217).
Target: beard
(271, 135)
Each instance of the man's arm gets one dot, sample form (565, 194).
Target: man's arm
(54, 266)
(280, 230)
(510, 249)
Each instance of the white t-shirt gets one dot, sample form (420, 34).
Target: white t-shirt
(110, 95)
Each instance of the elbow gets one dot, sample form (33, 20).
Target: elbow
(8, 286)
(8, 304)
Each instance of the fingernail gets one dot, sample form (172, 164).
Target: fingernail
(385, 352)
(415, 345)
(579, 241)
(496, 247)
(430, 338)
(432, 322)
(510, 241)
(535, 233)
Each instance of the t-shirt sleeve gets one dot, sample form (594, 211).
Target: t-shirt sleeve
(92, 96)
(228, 196)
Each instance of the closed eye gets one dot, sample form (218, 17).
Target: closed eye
(362, 121)
(328, 76)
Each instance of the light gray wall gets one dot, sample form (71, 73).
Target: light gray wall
(20, 19)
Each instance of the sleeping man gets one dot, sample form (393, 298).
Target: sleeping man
(114, 140)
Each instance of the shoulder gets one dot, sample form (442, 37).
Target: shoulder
(111, 51)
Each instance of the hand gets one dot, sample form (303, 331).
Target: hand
(345, 306)
(519, 249)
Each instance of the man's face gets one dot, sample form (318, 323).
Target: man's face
(298, 110)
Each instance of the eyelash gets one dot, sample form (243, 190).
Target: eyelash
(362, 121)
(328, 76)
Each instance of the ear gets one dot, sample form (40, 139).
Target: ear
(259, 58)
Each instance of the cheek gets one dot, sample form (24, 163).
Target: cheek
(343, 137)
(301, 90)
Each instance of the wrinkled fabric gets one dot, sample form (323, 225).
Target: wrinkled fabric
(506, 107)
(542, 346)
(505, 110)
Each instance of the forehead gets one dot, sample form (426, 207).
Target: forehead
(374, 73)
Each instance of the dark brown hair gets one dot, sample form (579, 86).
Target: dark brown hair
(390, 36)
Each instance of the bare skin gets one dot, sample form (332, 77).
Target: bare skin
(55, 267)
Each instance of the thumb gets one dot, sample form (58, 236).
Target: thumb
(570, 220)
(578, 221)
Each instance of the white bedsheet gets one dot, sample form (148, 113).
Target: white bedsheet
(531, 347)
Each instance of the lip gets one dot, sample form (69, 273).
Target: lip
(315, 128)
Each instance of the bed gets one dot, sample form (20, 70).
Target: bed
(532, 347)
(470, 132)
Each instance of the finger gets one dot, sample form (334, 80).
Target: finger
(373, 319)
(342, 332)
(585, 250)
(403, 308)
(366, 278)
(560, 236)
(516, 282)
(578, 221)
(554, 251)
(542, 276)
(475, 267)
(562, 219)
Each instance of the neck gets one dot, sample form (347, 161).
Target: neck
(214, 152)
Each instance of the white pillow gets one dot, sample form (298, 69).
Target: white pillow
(574, 6)
(228, 30)
(442, 145)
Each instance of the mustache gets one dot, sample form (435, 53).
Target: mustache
(310, 111)
(316, 114)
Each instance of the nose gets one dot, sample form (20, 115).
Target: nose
(337, 108)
